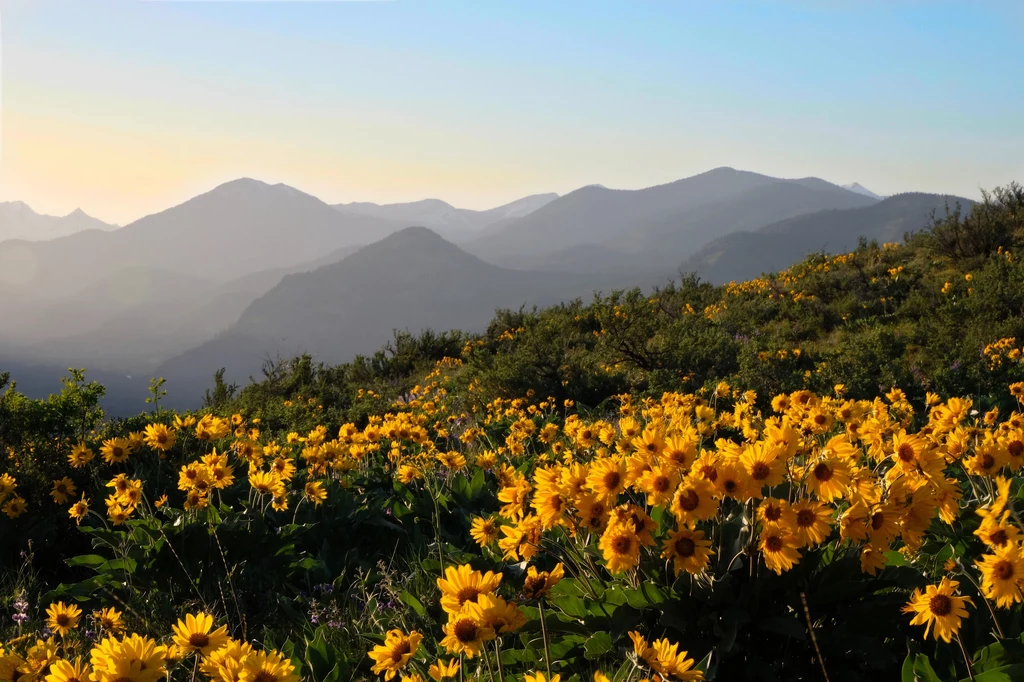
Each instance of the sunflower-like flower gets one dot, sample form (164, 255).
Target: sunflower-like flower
(538, 584)
(66, 671)
(63, 618)
(688, 550)
(196, 633)
(1002, 575)
(314, 492)
(466, 631)
(779, 548)
(160, 437)
(63, 490)
(442, 671)
(132, 659)
(620, 545)
(109, 619)
(484, 531)
(812, 522)
(939, 606)
(225, 664)
(263, 666)
(462, 584)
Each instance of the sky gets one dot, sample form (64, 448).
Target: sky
(123, 108)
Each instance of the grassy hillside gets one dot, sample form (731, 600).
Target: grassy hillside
(745, 255)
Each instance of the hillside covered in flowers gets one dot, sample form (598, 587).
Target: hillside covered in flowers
(812, 475)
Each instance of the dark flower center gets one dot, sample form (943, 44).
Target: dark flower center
(1003, 570)
(661, 484)
(877, 519)
(940, 605)
(805, 518)
(822, 472)
(621, 544)
(998, 538)
(760, 471)
(403, 648)
(198, 640)
(466, 631)
(773, 543)
(689, 500)
(467, 594)
(905, 452)
(685, 547)
(611, 480)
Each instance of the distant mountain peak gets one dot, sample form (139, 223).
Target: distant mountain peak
(861, 189)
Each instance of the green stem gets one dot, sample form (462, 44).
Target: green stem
(544, 634)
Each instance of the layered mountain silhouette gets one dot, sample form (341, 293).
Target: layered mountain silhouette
(745, 255)
(238, 228)
(861, 189)
(442, 217)
(654, 228)
(18, 221)
(412, 280)
(250, 271)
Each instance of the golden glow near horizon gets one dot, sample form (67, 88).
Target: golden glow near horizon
(127, 108)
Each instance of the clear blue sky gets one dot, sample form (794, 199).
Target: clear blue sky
(123, 108)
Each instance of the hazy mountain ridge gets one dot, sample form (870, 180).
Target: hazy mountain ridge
(452, 222)
(19, 221)
(251, 270)
(654, 228)
(411, 280)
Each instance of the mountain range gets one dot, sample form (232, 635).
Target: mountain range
(251, 270)
(18, 221)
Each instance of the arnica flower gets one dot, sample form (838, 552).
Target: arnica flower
(779, 549)
(694, 501)
(396, 651)
(79, 510)
(812, 522)
(538, 584)
(15, 507)
(65, 671)
(63, 490)
(1002, 574)
(620, 545)
(109, 619)
(262, 666)
(668, 660)
(225, 664)
(314, 492)
(466, 631)
(80, 456)
(195, 633)
(484, 531)
(442, 671)
(688, 550)
(133, 658)
(939, 606)
(63, 618)
(539, 677)
(116, 450)
(462, 584)
(160, 437)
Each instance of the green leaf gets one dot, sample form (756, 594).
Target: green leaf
(412, 602)
(907, 671)
(1006, 673)
(598, 645)
(91, 560)
(923, 671)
